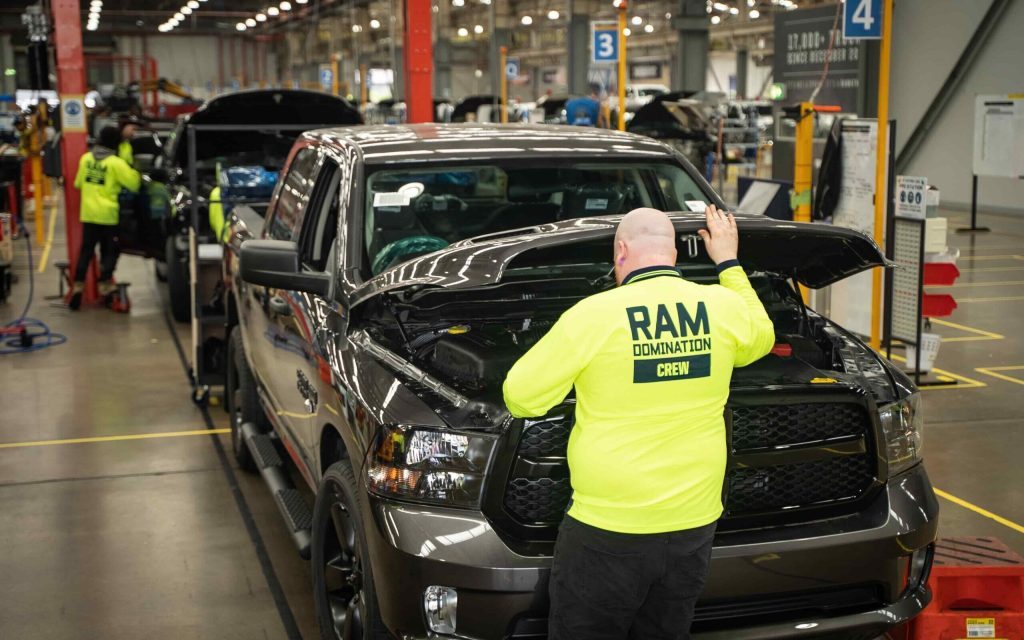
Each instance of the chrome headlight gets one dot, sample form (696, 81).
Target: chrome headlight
(429, 465)
(903, 426)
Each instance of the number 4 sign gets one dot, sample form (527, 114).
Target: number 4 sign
(862, 19)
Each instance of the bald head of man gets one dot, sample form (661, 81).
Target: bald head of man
(644, 238)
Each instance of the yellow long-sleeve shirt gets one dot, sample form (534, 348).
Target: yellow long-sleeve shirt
(101, 176)
(651, 362)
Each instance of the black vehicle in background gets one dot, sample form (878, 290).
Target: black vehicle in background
(397, 275)
(159, 226)
(679, 121)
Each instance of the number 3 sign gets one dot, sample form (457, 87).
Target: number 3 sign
(604, 42)
(862, 19)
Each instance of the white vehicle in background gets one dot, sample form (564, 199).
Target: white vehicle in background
(637, 95)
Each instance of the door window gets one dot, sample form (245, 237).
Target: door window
(322, 223)
(293, 197)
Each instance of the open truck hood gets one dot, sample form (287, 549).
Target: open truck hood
(264, 106)
(816, 255)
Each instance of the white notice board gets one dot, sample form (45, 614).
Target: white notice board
(850, 300)
(999, 135)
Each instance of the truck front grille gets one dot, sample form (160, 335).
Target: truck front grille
(784, 457)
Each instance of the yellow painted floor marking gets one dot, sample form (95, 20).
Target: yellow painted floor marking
(133, 436)
(980, 511)
(946, 376)
(995, 299)
(990, 269)
(960, 285)
(979, 334)
(1006, 247)
(1005, 256)
(994, 372)
(45, 256)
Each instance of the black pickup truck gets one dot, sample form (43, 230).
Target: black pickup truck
(397, 275)
(158, 228)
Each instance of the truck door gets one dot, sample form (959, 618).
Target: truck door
(279, 328)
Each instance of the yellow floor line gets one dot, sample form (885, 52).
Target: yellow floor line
(978, 510)
(45, 256)
(994, 299)
(990, 269)
(1008, 256)
(994, 372)
(980, 334)
(134, 436)
(942, 374)
(961, 285)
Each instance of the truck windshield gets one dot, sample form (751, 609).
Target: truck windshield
(414, 210)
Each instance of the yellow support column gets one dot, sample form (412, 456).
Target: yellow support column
(622, 65)
(880, 168)
(503, 82)
(803, 169)
(334, 74)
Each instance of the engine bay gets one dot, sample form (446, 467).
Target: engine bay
(470, 339)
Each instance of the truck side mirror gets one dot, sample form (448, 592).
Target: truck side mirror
(275, 264)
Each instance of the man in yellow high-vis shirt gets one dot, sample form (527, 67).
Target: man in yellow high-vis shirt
(651, 362)
(101, 176)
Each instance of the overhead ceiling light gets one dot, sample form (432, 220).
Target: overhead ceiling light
(720, 6)
(92, 26)
(240, 26)
(627, 32)
(94, 16)
(734, 10)
(485, 2)
(186, 10)
(375, 24)
(249, 22)
(273, 11)
(637, 21)
(179, 16)
(715, 19)
(96, 3)
(261, 17)
(163, 28)
(527, 20)
(754, 14)
(193, 4)
(458, 3)
(478, 29)
(462, 32)
(286, 6)
(173, 22)
(648, 28)
(357, 28)
(301, 1)
(668, 16)
(553, 15)
(751, 3)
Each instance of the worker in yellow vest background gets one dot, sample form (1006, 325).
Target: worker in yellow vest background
(101, 176)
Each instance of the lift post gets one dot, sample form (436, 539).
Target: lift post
(67, 28)
(622, 7)
(503, 82)
(419, 61)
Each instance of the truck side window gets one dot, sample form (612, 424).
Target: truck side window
(293, 197)
(322, 223)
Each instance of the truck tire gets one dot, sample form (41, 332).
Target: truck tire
(346, 603)
(160, 269)
(177, 282)
(242, 400)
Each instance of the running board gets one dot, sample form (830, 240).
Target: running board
(296, 513)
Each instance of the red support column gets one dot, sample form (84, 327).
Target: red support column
(419, 61)
(67, 29)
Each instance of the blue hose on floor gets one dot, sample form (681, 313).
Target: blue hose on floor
(35, 332)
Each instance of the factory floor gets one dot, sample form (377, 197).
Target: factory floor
(123, 515)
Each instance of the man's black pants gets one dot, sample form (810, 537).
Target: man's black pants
(104, 235)
(613, 586)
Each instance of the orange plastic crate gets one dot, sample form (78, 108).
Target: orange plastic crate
(977, 592)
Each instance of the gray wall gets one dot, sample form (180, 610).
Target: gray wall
(928, 37)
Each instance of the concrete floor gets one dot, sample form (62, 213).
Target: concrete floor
(162, 538)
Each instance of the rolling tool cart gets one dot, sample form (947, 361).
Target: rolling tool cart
(206, 254)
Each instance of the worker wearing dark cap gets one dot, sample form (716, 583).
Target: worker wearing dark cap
(101, 176)
(129, 126)
(651, 361)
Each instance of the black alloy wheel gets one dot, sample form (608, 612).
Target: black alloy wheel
(346, 606)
